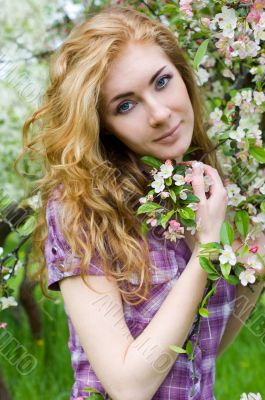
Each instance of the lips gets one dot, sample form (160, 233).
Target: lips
(168, 133)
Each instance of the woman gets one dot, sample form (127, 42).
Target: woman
(119, 84)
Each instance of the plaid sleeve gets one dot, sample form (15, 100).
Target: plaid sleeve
(58, 253)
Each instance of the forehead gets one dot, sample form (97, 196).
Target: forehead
(133, 66)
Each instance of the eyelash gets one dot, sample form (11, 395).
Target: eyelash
(168, 76)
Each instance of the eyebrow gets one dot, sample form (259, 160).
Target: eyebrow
(121, 95)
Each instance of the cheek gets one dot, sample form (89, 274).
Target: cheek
(126, 130)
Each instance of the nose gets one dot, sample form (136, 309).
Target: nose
(158, 113)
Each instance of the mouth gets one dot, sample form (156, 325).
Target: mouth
(169, 133)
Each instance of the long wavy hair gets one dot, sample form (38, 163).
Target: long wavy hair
(99, 177)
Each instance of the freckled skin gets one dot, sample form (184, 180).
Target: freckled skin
(138, 119)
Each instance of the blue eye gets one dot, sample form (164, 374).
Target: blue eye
(123, 107)
(163, 79)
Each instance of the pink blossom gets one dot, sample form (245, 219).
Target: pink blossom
(259, 143)
(3, 325)
(168, 162)
(254, 16)
(259, 4)
(185, 7)
(188, 178)
(152, 221)
(175, 225)
(254, 248)
(206, 22)
(230, 106)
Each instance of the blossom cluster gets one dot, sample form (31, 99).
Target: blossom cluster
(172, 204)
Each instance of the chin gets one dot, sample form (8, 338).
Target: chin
(171, 155)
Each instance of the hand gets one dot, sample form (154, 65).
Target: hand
(211, 209)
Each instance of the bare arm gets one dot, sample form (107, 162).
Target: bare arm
(138, 366)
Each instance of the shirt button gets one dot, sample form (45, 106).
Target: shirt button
(54, 250)
(60, 267)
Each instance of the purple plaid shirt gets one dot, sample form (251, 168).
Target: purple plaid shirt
(185, 380)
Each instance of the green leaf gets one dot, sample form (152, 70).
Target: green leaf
(191, 198)
(189, 347)
(258, 153)
(177, 349)
(262, 206)
(187, 213)
(168, 181)
(90, 389)
(226, 269)
(213, 277)
(28, 227)
(144, 228)
(170, 9)
(244, 251)
(186, 222)
(151, 161)
(148, 207)
(166, 218)
(204, 312)
(209, 294)
(211, 245)
(189, 350)
(232, 279)
(200, 53)
(207, 265)
(227, 233)
(173, 195)
(242, 222)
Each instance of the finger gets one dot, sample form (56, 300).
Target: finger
(197, 180)
(213, 174)
(217, 187)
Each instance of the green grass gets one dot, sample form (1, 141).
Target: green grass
(239, 369)
(52, 377)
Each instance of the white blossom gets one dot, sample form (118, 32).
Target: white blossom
(251, 396)
(183, 195)
(227, 21)
(232, 189)
(237, 135)
(259, 97)
(262, 189)
(158, 184)
(216, 115)
(254, 262)
(227, 255)
(179, 179)
(259, 219)
(8, 302)
(166, 170)
(202, 76)
(247, 276)
(236, 200)
(142, 200)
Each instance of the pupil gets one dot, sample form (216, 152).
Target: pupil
(124, 106)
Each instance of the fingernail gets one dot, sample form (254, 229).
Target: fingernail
(197, 165)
